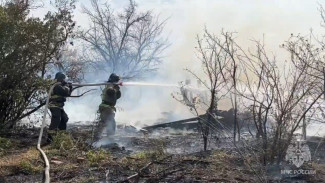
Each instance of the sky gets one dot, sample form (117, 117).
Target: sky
(272, 21)
(252, 19)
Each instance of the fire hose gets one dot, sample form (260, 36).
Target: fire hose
(46, 161)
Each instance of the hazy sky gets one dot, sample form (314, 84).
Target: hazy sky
(251, 19)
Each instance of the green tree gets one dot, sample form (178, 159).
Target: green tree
(29, 47)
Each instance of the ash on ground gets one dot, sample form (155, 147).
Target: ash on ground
(133, 140)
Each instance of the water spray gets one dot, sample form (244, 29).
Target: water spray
(147, 84)
(187, 87)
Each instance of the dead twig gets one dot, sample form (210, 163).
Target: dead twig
(82, 93)
(164, 174)
(138, 174)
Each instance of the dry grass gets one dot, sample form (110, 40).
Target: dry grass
(96, 157)
(5, 144)
(320, 172)
(26, 162)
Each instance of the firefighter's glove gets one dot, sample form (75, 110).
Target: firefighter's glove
(70, 86)
(116, 87)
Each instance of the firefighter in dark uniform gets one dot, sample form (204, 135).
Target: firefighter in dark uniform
(58, 97)
(107, 109)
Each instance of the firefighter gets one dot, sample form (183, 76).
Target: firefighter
(58, 97)
(107, 109)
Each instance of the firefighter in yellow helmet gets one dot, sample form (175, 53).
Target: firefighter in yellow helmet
(110, 95)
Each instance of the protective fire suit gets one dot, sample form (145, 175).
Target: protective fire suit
(59, 118)
(107, 110)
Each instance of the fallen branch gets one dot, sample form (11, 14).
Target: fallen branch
(164, 174)
(138, 174)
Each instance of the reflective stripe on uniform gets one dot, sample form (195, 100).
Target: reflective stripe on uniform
(107, 106)
(55, 96)
(52, 105)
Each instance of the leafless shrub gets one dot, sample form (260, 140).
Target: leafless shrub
(129, 43)
(215, 62)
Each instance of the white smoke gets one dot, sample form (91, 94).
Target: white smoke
(272, 21)
(138, 106)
